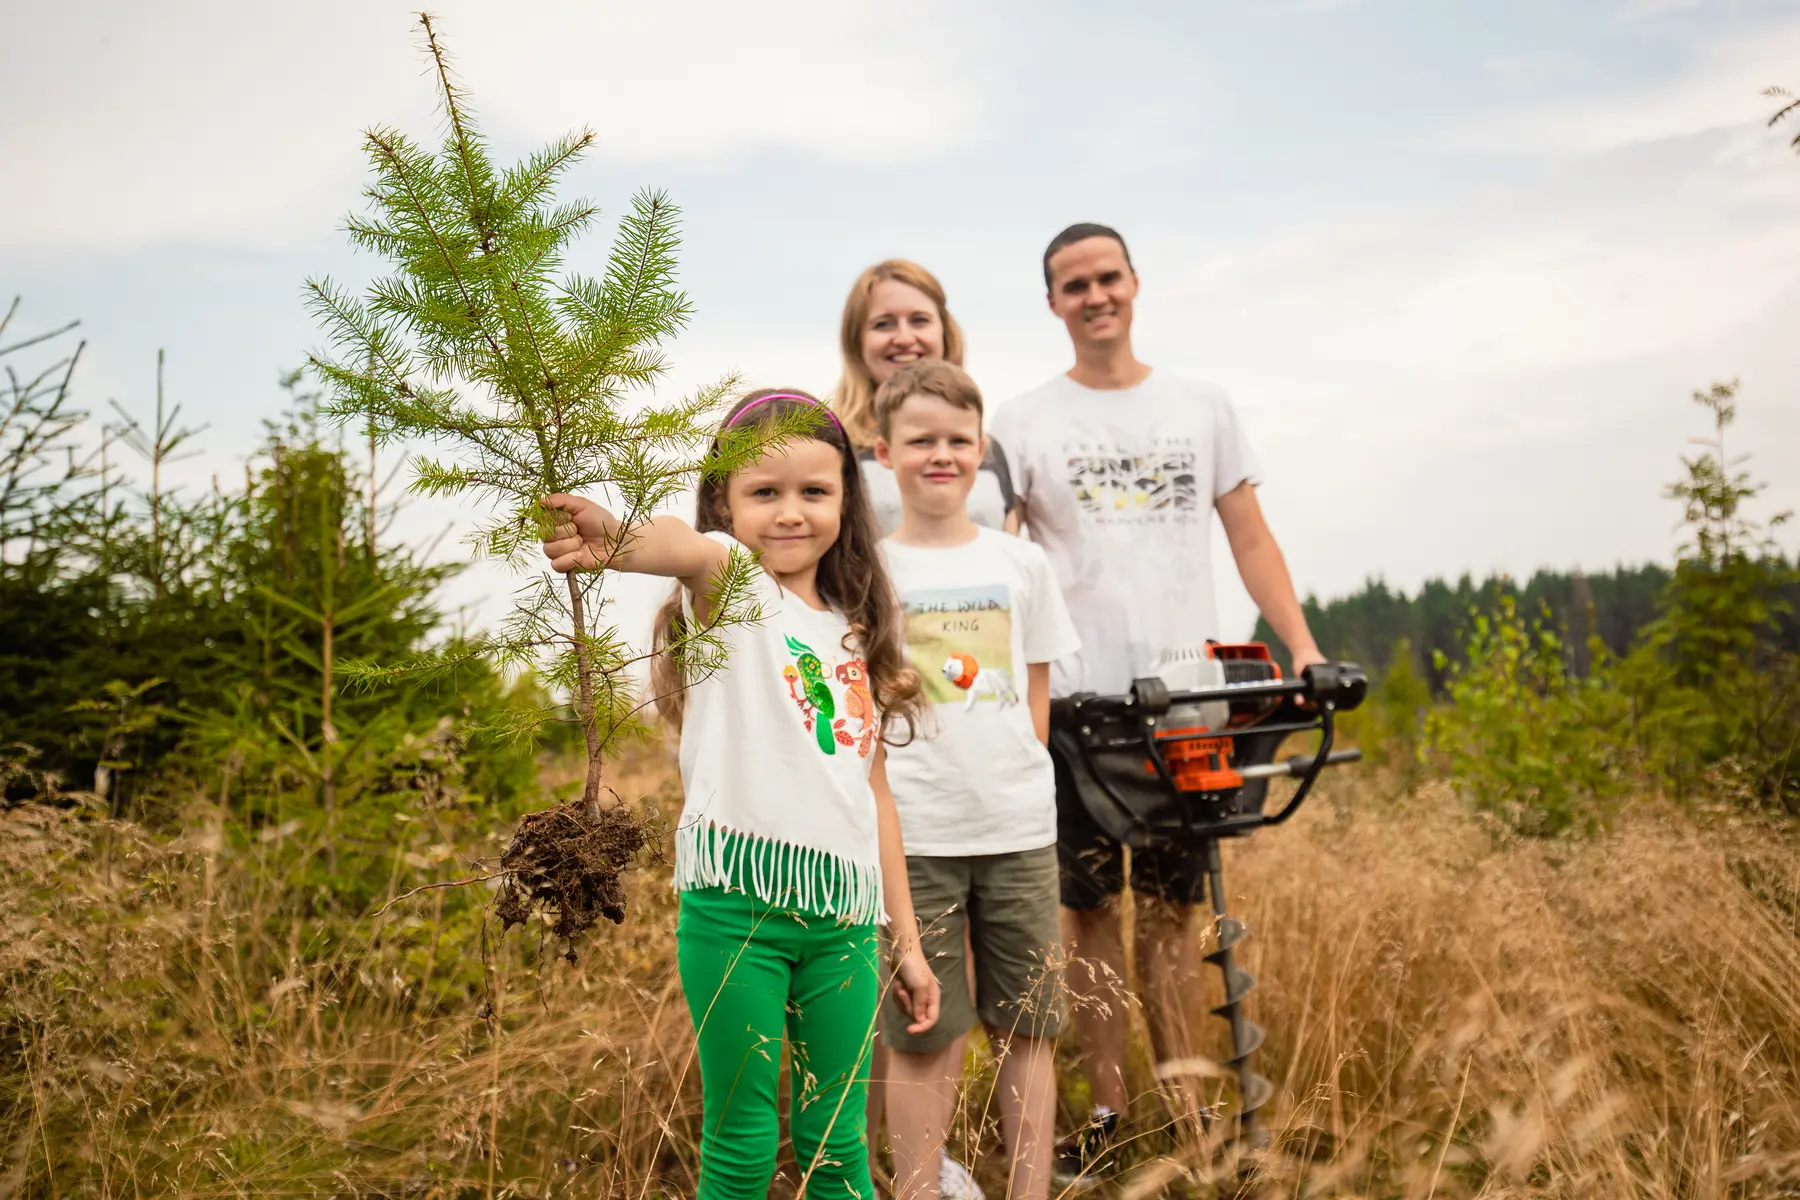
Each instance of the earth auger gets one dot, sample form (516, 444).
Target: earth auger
(1186, 757)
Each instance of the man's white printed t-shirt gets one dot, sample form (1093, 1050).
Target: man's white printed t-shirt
(1118, 487)
(977, 780)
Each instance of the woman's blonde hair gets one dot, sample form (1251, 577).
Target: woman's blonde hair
(854, 400)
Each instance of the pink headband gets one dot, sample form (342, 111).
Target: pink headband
(795, 396)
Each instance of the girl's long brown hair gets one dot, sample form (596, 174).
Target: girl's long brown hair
(854, 400)
(852, 579)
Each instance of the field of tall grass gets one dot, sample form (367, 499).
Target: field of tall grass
(1452, 1011)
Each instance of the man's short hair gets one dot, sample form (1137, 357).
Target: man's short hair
(1080, 233)
(934, 377)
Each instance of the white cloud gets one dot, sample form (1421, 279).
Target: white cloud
(1644, 10)
(1723, 88)
(1534, 69)
(1608, 258)
(230, 123)
(698, 80)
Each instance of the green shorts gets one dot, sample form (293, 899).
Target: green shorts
(1007, 903)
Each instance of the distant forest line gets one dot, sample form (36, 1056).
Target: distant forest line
(1366, 626)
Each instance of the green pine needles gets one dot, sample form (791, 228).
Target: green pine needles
(529, 382)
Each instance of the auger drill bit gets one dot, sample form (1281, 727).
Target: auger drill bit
(1254, 1091)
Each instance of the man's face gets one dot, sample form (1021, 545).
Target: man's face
(1092, 288)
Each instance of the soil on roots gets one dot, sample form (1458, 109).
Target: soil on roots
(567, 862)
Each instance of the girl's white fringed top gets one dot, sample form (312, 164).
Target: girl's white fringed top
(776, 748)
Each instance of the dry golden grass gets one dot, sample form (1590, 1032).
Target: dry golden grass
(1618, 1017)
(1450, 1014)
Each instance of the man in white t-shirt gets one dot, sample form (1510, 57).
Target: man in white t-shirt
(977, 794)
(1120, 469)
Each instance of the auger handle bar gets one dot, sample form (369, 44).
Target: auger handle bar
(1330, 686)
(1298, 765)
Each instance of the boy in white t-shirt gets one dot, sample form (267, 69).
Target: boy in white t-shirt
(977, 796)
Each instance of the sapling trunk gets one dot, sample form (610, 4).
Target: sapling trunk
(374, 487)
(327, 735)
(584, 700)
(329, 566)
(156, 462)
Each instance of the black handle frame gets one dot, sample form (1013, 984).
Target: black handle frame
(1326, 687)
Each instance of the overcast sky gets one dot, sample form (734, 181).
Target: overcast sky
(1460, 265)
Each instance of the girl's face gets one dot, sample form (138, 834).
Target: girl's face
(789, 506)
(903, 327)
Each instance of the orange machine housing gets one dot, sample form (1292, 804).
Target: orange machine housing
(1203, 764)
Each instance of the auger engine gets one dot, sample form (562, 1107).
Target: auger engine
(1187, 757)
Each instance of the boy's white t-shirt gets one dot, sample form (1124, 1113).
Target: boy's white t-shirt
(776, 748)
(1118, 487)
(980, 782)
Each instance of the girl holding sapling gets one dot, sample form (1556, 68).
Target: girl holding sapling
(789, 846)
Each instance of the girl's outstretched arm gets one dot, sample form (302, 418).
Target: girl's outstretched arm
(586, 536)
(915, 986)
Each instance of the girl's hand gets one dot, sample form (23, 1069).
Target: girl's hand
(916, 988)
(583, 535)
(586, 537)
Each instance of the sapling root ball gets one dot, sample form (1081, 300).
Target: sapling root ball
(566, 863)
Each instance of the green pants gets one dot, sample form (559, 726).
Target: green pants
(752, 972)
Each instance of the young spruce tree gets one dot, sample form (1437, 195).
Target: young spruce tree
(529, 383)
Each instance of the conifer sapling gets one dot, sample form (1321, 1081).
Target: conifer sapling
(529, 385)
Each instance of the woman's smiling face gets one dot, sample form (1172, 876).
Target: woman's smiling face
(903, 327)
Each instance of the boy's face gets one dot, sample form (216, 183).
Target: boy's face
(1092, 288)
(935, 450)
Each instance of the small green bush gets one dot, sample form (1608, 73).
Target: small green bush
(1524, 739)
(1388, 725)
(1714, 685)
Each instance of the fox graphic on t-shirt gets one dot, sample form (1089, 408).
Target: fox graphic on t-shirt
(977, 681)
(859, 702)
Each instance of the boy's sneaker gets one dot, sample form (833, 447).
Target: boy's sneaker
(955, 1182)
(1082, 1155)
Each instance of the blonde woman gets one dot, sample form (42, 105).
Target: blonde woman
(896, 315)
